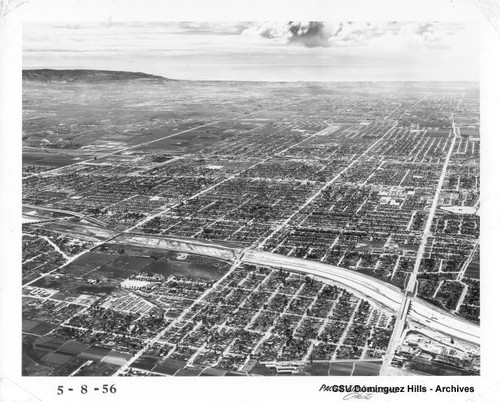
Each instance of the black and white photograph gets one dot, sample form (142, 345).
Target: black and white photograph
(251, 198)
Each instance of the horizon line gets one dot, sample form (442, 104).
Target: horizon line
(250, 80)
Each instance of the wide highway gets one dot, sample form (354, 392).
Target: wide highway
(382, 293)
(372, 289)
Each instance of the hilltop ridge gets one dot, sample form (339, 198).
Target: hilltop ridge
(82, 75)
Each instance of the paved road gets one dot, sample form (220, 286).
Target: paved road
(435, 319)
(412, 282)
(66, 212)
(327, 184)
(379, 292)
(362, 285)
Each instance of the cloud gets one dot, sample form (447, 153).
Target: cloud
(275, 51)
(213, 28)
(418, 36)
(354, 34)
(308, 34)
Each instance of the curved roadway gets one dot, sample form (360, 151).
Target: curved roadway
(377, 291)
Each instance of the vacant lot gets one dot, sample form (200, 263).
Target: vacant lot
(192, 266)
(133, 259)
(472, 270)
(87, 263)
(366, 368)
(340, 369)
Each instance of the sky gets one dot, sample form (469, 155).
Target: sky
(261, 51)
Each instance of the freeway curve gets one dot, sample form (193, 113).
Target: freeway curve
(367, 287)
(375, 290)
(66, 212)
(364, 286)
(441, 321)
(389, 296)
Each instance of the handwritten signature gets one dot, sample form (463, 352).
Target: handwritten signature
(357, 395)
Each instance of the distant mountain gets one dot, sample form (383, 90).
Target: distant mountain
(49, 75)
